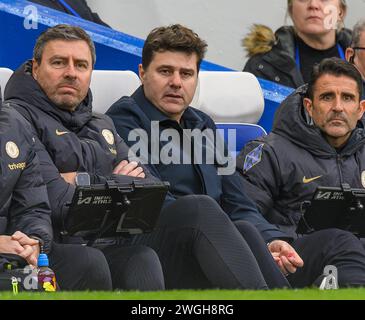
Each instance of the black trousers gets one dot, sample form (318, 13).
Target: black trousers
(79, 267)
(134, 268)
(329, 247)
(200, 247)
(272, 274)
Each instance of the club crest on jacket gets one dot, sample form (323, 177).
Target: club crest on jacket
(12, 149)
(363, 178)
(253, 158)
(108, 136)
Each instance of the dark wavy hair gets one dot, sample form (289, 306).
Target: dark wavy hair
(336, 67)
(62, 32)
(173, 38)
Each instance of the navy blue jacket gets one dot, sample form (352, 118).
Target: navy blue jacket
(136, 111)
(284, 169)
(24, 203)
(78, 141)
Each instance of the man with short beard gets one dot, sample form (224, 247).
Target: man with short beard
(317, 140)
(52, 93)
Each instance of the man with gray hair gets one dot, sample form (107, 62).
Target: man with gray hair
(356, 53)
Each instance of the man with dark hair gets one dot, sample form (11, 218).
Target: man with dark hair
(317, 140)
(231, 255)
(52, 93)
(356, 53)
(64, 32)
(173, 38)
(77, 8)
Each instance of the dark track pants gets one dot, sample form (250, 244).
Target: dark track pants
(80, 267)
(134, 268)
(200, 247)
(272, 274)
(329, 247)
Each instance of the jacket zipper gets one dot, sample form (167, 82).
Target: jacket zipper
(93, 152)
(196, 166)
(339, 161)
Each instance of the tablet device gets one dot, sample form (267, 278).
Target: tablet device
(115, 208)
(334, 207)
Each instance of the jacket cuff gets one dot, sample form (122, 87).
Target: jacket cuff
(44, 246)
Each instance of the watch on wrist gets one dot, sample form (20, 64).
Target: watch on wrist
(82, 179)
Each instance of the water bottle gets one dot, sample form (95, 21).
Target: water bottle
(46, 276)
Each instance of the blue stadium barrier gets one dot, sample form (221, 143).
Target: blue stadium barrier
(115, 50)
(245, 132)
(274, 94)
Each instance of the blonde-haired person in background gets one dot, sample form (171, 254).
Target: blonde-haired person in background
(287, 57)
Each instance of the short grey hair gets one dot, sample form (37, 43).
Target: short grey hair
(359, 28)
(62, 32)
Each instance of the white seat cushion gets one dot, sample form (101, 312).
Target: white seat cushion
(229, 96)
(107, 86)
(5, 74)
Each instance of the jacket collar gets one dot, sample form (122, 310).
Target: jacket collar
(282, 55)
(190, 117)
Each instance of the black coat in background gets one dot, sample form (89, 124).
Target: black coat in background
(278, 64)
(80, 6)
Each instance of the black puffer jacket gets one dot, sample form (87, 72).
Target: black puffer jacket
(24, 203)
(67, 141)
(294, 159)
(80, 6)
(278, 64)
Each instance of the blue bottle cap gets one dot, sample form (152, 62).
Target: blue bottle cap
(43, 260)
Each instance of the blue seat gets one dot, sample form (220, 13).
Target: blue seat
(245, 132)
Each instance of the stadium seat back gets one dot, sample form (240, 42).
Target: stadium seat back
(107, 86)
(5, 74)
(244, 132)
(229, 97)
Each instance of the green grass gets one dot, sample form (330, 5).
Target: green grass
(307, 294)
